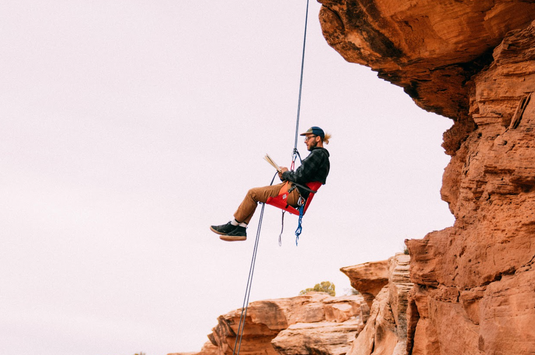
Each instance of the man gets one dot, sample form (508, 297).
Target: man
(315, 167)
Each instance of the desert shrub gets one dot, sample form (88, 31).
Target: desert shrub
(324, 286)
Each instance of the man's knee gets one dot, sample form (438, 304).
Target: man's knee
(259, 194)
(255, 193)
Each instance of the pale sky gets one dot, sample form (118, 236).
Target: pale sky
(129, 127)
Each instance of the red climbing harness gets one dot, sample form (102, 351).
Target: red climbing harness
(281, 202)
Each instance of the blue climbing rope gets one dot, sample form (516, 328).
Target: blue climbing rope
(299, 224)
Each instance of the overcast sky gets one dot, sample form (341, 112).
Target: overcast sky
(129, 127)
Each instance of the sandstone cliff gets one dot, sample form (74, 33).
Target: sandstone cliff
(430, 48)
(317, 323)
(472, 61)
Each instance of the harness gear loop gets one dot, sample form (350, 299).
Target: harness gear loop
(299, 226)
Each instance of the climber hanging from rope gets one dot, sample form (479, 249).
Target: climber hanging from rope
(314, 168)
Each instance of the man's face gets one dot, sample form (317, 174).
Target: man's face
(311, 141)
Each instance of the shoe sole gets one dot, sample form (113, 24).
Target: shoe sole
(233, 238)
(216, 232)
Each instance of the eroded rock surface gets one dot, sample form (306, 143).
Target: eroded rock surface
(472, 61)
(368, 278)
(477, 274)
(386, 328)
(317, 323)
(312, 323)
(430, 48)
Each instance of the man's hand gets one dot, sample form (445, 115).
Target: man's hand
(282, 170)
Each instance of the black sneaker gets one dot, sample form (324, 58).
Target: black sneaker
(239, 233)
(223, 229)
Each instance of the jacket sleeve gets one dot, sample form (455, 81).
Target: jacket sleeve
(306, 171)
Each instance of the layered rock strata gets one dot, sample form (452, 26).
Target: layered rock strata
(317, 323)
(368, 278)
(385, 332)
(430, 48)
(479, 275)
(472, 61)
(312, 323)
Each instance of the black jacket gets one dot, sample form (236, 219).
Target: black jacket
(315, 167)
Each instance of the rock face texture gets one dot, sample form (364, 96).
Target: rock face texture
(317, 323)
(472, 61)
(430, 48)
(385, 332)
(368, 278)
(479, 274)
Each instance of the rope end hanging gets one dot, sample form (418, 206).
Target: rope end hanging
(299, 225)
(282, 229)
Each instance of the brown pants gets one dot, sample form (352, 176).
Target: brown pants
(260, 194)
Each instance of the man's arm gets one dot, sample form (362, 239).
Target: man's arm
(305, 172)
(282, 171)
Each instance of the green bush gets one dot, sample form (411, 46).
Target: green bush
(324, 286)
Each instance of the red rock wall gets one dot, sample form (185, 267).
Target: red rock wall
(479, 275)
(314, 323)
(317, 323)
(430, 48)
(472, 61)
(385, 332)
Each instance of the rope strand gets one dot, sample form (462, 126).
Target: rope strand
(243, 315)
(300, 84)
